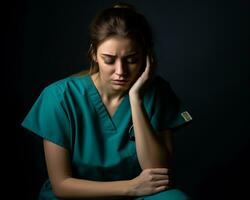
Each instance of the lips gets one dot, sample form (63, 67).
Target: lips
(123, 80)
(120, 82)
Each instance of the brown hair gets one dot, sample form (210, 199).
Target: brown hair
(119, 20)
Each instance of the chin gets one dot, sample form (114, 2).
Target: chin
(120, 88)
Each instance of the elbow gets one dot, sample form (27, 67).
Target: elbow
(162, 161)
(59, 190)
(162, 164)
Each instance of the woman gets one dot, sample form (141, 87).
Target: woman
(107, 134)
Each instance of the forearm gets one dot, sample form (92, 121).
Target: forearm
(79, 188)
(150, 151)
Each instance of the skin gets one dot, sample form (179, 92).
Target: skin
(118, 59)
(153, 150)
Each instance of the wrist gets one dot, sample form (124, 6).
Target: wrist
(130, 191)
(135, 98)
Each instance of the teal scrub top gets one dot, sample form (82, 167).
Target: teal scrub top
(70, 113)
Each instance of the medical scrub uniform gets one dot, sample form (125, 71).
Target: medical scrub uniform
(71, 114)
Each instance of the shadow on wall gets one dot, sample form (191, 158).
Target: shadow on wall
(227, 181)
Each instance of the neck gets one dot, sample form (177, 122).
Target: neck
(104, 89)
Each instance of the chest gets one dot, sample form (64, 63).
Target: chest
(111, 107)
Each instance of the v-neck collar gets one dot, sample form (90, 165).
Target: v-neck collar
(110, 122)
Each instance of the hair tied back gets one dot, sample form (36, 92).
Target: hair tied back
(123, 5)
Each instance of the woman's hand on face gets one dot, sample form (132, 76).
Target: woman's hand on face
(143, 80)
(150, 181)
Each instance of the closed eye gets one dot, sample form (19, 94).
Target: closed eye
(108, 59)
(131, 60)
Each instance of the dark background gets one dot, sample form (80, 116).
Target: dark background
(202, 48)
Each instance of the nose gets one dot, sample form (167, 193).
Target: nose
(120, 68)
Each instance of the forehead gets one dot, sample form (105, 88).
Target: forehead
(118, 45)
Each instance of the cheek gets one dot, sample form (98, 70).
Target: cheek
(106, 70)
(135, 69)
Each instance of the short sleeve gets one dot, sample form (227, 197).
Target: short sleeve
(169, 112)
(48, 118)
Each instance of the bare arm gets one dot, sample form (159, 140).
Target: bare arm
(153, 150)
(65, 186)
(166, 136)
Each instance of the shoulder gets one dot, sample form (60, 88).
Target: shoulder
(157, 88)
(69, 85)
(159, 84)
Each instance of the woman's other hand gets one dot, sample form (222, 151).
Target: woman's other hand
(150, 181)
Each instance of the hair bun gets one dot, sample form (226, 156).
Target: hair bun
(123, 5)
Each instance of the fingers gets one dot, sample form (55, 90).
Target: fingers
(160, 177)
(161, 183)
(161, 188)
(149, 64)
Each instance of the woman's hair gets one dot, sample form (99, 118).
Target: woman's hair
(119, 20)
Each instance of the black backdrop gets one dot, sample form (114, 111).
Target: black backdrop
(202, 48)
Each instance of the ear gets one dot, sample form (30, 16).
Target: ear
(92, 53)
(94, 57)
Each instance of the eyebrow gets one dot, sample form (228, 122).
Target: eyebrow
(129, 55)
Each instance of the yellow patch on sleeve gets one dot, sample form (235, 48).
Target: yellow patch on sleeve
(186, 116)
